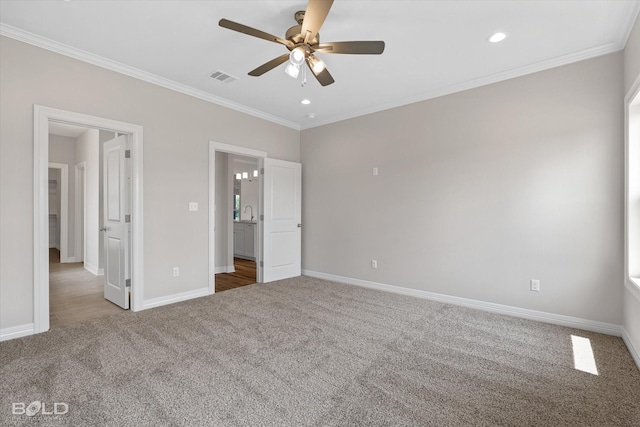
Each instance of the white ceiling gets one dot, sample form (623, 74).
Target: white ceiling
(432, 47)
(63, 129)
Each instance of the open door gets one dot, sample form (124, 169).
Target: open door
(116, 221)
(282, 220)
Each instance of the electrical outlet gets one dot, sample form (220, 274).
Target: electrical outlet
(535, 285)
(375, 171)
(193, 206)
(374, 263)
(176, 271)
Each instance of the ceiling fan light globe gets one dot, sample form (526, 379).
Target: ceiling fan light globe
(317, 65)
(296, 56)
(292, 70)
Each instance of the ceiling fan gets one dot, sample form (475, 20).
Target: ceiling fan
(303, 41)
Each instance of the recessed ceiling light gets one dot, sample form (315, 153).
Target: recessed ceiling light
(311, 116)
(305, 102)
(497, 37)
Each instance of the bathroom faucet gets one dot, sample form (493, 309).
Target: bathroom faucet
(245, 210)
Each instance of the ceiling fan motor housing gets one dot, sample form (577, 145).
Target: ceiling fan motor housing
(293, 34)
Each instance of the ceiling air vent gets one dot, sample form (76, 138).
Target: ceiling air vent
(223, 77)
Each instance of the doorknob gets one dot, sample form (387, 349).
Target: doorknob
(299, 225)
(104, 228)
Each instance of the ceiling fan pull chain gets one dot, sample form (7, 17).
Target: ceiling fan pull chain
(304, 75)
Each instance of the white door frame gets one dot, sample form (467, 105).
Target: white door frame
(81, 211)
(63, 221)
(632, 189)
(41, 117)
(231, 149)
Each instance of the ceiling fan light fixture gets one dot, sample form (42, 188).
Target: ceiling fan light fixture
(317, 64)
(292, 70)
(296, 57)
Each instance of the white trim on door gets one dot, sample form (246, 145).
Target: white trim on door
(41, 117)
(242, 151)
(81, 211)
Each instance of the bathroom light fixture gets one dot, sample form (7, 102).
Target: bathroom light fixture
(255, 173)
(245, 175)
(497, 37)
(238, 176)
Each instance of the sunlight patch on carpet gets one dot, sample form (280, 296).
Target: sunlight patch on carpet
(583, 359)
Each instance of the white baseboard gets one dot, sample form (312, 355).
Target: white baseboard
(634, 352)
(541, 316)
(93, 269)
(16, 332)
(223, 269)
(170, 299)
(68, 259)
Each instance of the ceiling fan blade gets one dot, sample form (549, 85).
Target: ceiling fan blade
(225, 23)
(268, 66)
(358, 48)
(314, 16)
(323, 77)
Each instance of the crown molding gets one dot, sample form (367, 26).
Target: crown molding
(66, 50)
(629, 19)
(626, 26)
(483, 81)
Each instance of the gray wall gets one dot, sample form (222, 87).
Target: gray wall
(632, 57)
(480, 191)
(177, 130)
(631, 321)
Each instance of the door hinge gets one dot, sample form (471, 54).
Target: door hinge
(127, 283)
(127, 218)
(127, 154)
(261, 264)
(261, 217)
(261, 171)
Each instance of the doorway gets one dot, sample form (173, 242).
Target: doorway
(76, 289)
(238, 196)
(235, 203)
(42, 117)
(278, 240)
(58, 194)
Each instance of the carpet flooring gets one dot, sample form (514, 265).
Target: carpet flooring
(307, 352)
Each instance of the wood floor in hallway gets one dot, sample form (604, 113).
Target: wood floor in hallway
(244, 275)
(74, 293)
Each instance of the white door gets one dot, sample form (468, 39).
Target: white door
(116, 221)
(282, 219)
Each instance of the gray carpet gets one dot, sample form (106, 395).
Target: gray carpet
(309, 352)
